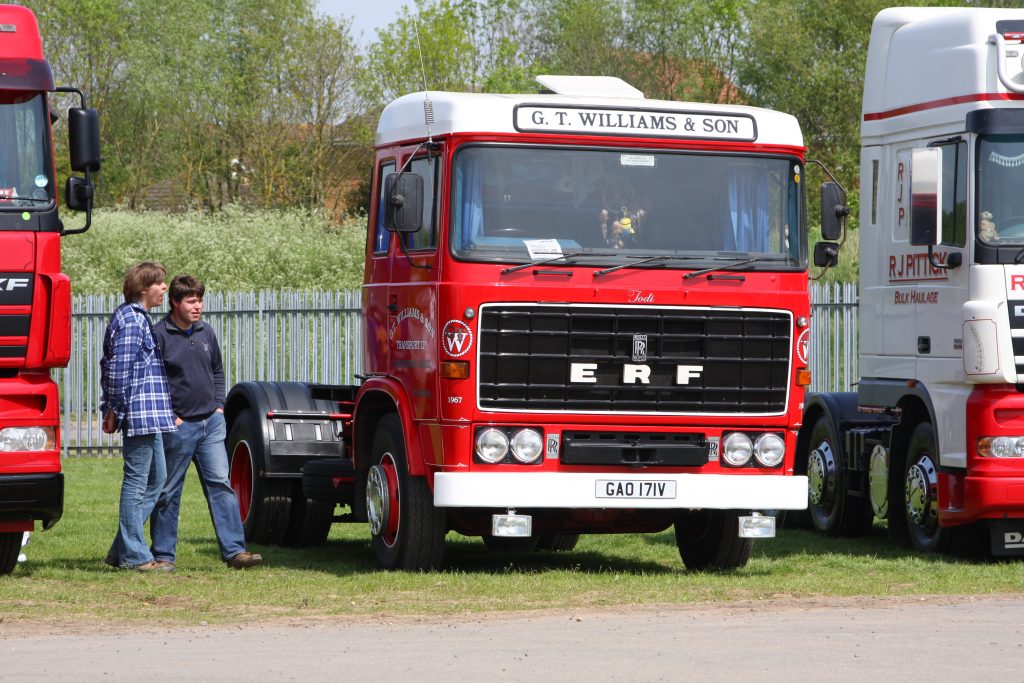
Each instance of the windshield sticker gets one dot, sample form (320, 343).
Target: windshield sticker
(1006, 162)
(694, 125)
(644, 160)
(41, 181)
(542, 249)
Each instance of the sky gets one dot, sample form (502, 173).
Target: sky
(367, 15)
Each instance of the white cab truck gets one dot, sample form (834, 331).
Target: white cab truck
(933, 438)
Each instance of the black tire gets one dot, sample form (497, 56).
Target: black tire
(558, 542)
(709, 540)
(407, 531)
(10, 548)
(832, 510)
(309, 520)
(318, 480)
(265, 504)
(504, 544)
(919, 504)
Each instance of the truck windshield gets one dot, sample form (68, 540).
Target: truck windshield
(26, 178)
(1000, 179)
(606, 205)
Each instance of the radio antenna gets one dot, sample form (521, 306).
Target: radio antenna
(428, 105)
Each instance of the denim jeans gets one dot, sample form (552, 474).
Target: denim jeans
(144, 473)
(201, 441)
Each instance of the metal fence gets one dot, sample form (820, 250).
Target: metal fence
(316, 336)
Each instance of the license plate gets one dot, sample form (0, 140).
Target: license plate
(632, 488)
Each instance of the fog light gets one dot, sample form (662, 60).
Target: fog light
(769, 449)
(757, 526)
(737, 449)
(527, 446)
(491, 445)
(512, 525)
(27, 439)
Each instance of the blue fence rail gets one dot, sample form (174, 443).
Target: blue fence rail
(316, 336)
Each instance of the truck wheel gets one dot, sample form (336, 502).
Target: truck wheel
(406, 530)
(10, 548)
(558, 542)
(920, 494)
(309, 521)
(504, 544)
(263, 503)
(709, 539)
(832, 510)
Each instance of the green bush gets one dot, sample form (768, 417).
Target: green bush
(234, 249)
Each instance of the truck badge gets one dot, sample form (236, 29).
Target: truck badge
(639, 348)
(458, 338)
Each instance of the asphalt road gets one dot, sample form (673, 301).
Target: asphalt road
(930, 639)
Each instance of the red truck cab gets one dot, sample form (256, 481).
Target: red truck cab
(35, 296)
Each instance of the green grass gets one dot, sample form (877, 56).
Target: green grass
(66, 580)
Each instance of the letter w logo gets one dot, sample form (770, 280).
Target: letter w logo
(454, 341)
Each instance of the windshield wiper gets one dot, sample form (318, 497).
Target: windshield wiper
(735, 264)
(522, 266)
(646, 259)
(23, 199)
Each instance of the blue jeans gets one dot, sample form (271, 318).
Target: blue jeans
(144, 475)
(201, 441)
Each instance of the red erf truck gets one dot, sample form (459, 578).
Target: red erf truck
(584, 312)
(35, 297)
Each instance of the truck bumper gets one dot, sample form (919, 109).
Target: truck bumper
(624, 491)
(31, 497)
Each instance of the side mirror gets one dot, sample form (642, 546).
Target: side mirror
(925, 197)
(84, 139)
(833, 211)
(403, 202)
(826, 254)
(78, 194)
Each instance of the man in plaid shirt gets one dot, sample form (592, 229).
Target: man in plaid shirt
(136, 400)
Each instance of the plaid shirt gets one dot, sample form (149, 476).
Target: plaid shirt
(132, 376)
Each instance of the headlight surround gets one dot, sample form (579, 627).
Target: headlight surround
(527, 446)
(737, 449)
(15, 439)
(1001, 447)
(769, 450)
(491, 445)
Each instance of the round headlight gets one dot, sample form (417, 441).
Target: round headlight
(737, 449)
(1002, 447)
(491, 445)
(527, 445)
(769, 449)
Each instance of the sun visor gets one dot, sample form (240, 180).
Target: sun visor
(25, 74)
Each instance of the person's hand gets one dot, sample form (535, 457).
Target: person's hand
(177, 421)
(220, 410)
(109, 422)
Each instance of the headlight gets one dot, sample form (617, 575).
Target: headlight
(27, 439)
(527, 446)
(491, 445)
(769, 449)
(737, 449)
(1001, 447)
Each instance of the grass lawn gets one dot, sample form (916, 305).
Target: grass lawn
(66, 580)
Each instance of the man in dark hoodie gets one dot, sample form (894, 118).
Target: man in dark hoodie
(195, 373)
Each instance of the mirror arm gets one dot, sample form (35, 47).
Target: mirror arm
(405, 252)
(78, 92)
(955, 260)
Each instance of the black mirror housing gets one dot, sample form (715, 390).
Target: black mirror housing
(833, 211)
(403, 202)
(826, 254)
(78, 194)
(84, 139)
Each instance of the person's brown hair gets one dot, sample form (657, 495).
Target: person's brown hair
(184, 286)
(140, 277)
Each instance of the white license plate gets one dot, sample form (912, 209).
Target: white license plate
(632, 488)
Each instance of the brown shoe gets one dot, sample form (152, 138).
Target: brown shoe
(244, 560)
(154, 566)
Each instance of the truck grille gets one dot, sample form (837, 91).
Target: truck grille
(733, 361)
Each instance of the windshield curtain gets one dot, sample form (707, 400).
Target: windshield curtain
(1000, 199)
(528, 202)
(26, 180)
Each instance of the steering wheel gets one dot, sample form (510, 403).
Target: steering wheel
(1014, 227)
